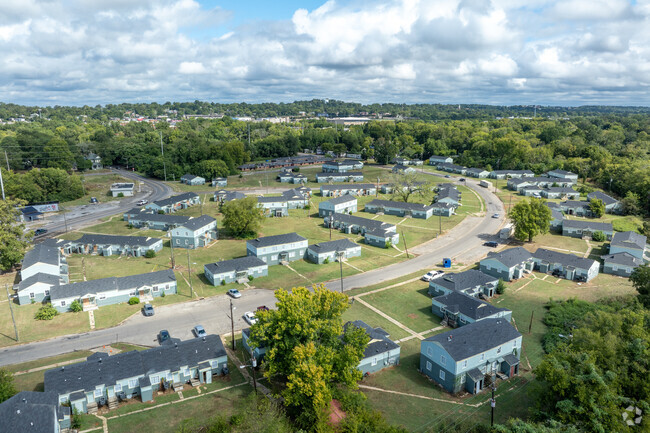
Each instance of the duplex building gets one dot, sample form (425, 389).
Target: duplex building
(387, 188)
(477, 172)
(408, 161)
(341, 204)
(380, 352)
(563, 265)
(611, 204)
(331, 251)
(177, 202)
(154, 221)
(402, 209)
(508, 265)
(470, 282)
(288, 176)
(297, 198)
(621, 264)
(341, 166)
(220, 182)
(95, 160)
(42, 268)
(462, 358)
(581, 228)
(400, 168)
(563, 174)
(223, 196)
(108, 245)
(437, 160)
(358, 189)
(510, 174)
(575, 207)
(255, 352)
(375, 232)
(448, 193)
(349, 176)
(453, 168)
(443, 209)
(273, 206)
(560, 192)
(93, 294)
(274, 250)
(105, 380)
(632, 243)
(556, 215)
(458, 309)
(544, 181)
(126, 189)
(235, 270)
(190, 179)
(195, 233)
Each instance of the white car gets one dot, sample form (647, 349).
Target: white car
(249, 317)
(432, 275)
(142, 202)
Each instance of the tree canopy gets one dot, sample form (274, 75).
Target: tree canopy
(597, 207)
(640, 279)
(13, 239)
(531, 217)
(242, 218)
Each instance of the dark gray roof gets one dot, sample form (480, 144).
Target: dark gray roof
(87, 375)
(238, 264)
(451, 193)
(111, 283)
(565, 259)
(354, 186)
(345, 174)
(467, 305)
(381, 233)
(561, 189)
(574, 203)
(557, 214)
(295, 194)
(31, 412)
(379, 341)
(399, 205)
(536, 179)
(602, 196)
(40, 277)
(532, 188)
(622, 258)
(442, 205)
(268, 241)
(475, 170)
(41, 254)
(513, 171)
(552, 205)
(360, 221)
(511, 256)
(337, 163)
(175, 199)
(122, 186)
(199, 222)
(230, 195)
(341, 199)
(191, 177)
(272, 200)
(219, 178)
(93, 239)
(562, 172)
(629, 240)
(475, 338)
(30, 210)
(585, 224)
(399, 167)
(337, 245)
(464, 280)
(157, 217)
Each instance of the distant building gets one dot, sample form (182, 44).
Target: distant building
(563, 265)
(126, 189)
(220, 182)
(332, 251)
(611, 204)
(273, 250)
(235, 270)
(95, 160)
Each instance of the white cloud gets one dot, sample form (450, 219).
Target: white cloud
(191, 68)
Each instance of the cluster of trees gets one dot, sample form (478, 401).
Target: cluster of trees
(13, 238)
(42, 185)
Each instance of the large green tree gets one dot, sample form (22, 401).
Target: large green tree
(408, 185)
(13, 239)
(308, 350)
(597, 207)
(7, 388)
(531, 217)
(242, 218)
(640, 279)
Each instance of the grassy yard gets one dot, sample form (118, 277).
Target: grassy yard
(98, 186)
(358, 311)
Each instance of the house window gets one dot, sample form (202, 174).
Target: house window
(155, 379)
(155, 289)
(374, 361)
(98, 392)
(47, 293)
(465, 364)
(274, 257)
(442, 374)
(178, 241)
(482, 356)
(514, 344)
(185, 371)
(428, 365)
(102, 296)
(499, 350)
(169, 377)
(187, 242)
(133, 383)
(430, 352)
(63, 303)
(132, 293)
(462, 379)
(31, 295)
(118, 387)
(443, 360)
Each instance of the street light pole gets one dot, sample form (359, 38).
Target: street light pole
(341, 266)
(162, 151)
(232, 326)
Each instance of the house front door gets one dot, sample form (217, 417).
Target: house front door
(512, 371)
(478, 386)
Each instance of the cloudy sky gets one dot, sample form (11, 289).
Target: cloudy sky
(571, 52)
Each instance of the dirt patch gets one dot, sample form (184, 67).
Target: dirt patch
(412, 316)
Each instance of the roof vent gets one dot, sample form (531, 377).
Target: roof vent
(175, 344)
(450, 337)
(100, 360)
(63, 368)
(203, 338)
(18, 411)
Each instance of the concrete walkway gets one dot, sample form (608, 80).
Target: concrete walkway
(388, 391)
(390, 319)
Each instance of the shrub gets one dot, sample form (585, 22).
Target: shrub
(161, 212)
(134, 300)
(120, 195)
(75, 421)
(223, 282)
(76, 307)
(32, 301)
(501, 287)
(326, 261)
(250, 278)
(46, 312)
(598, 236)
(162, 294)
(389, 244)
(129, 226)
(150, 254)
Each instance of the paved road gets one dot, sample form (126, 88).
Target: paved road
(464, 243)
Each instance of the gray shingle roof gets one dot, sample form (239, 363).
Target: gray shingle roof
(199, 222)
(41, 254)
(511, 256)
(622, 258)
(591, 225)
(360, 221)
(268, 241)
(475, 338)
(111, 283)
(475, 170)
(562, 172)
(238, 264)
(272, 200)
(345, 174)
(342, 199)
(574, 204)
(522, 172)
(399, 205)
(337, 245)
(561, 189)
(344, 186)
(562, 258)
(230, 195)
(379, 341)
(602, 196)
(31, 412)
(464, 280)
(190, 177)
(399, 167)
(175, 199)
(87, 375)
(93, 239)
(40, 277)
(467, 305)
(629, 240)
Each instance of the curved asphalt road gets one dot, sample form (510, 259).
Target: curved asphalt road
(213, 312)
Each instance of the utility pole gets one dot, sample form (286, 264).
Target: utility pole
(253, 365)
(189, 273)
(509, 204)
(65, 219)
(201, 205)
(331, 222)
(7, 159)
(2, 186)
(493, 403)
(12, 311)
(341, 266)
(439, 224)
(171, 245)
(530, 325)
(232, 326)
(377, 190)
(162, 151)
(405, 247)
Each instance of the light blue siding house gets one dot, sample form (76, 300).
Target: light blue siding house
(459, 360)
(154, 221)
(507, 174)
(560, 192)
(621, 264)
(333, 251)
(448, 193)
(581, 229)
(197, 232)
(404, 169)
(443, 209)
(477, 172)
(471, 282)
(273, 206)
(43, 267)
(408, 161)
(236, 270)
(296, 198)
(611, 204)
(289, 176)
(108, 245)
(223, 196)
(342, 204)
(564, 265)
(437, 160)
(458, 309)
(358, 189)
(563, 175)
(190, 179)
(258, 352)
(575, 207)
(375, 232)
(340, 167)
(104, 380)
(399, 208)
(126, 189)
(93, 294)
(36, 288)
(381, 352)
(508, 265)
(348, 176)
(220, 182)
(177, 202)
(556, 215)
(273, 250)
(628, 242)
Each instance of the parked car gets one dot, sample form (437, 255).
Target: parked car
(148, 309)
(234, 293)
(142, 202)
(40, 232)
(462, 179)
(432, 275)
(447, 176)
(262, 308)
(491, 244)
(199, 331)
(94, 200)
(249, 317)
(163, 336)
(496, 215)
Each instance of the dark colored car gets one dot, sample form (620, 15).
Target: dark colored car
(491, 244)
(147, 310)
(262, 308)
(40, 232)
(94, 200)
(163, 336)
(462, 179)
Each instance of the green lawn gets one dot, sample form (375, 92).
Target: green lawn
(98, 186)
(358, 311)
